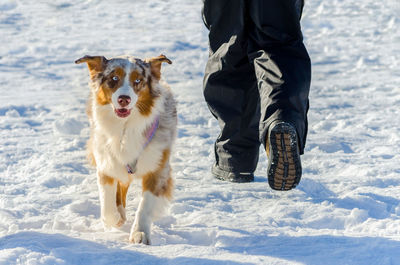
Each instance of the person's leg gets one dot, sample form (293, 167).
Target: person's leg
(231, 92)
(283, 71)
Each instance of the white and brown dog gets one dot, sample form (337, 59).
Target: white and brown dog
(133, 125)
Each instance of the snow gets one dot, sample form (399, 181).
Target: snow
(346, 209)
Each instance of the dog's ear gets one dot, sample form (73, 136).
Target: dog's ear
(155, 64)
(96, 64)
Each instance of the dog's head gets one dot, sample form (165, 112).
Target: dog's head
(125, 82)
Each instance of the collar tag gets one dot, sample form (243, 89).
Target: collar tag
(131, 168)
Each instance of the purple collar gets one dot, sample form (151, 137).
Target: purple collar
(131, 168)
(150, 132)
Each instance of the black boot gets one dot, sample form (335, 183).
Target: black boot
(284, 165)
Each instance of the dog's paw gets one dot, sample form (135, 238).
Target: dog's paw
(113, 220)
(139, 238)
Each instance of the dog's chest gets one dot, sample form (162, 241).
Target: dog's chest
(124, 144)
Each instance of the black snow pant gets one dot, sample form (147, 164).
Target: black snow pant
(258, 71)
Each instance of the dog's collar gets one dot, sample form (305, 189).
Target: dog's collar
(131, 168)
(151, 131)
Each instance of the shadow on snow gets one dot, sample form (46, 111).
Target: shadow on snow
(76, 251)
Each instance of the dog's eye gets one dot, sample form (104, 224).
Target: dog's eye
(115, 78)
(137, 81)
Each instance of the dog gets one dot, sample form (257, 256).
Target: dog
(133, 120)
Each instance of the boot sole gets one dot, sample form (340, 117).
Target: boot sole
(284, 165)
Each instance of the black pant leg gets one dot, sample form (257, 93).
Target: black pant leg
(230, 88)
(281, 62)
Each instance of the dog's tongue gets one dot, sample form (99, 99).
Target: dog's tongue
(122, 113)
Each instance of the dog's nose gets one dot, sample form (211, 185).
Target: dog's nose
(124, 101)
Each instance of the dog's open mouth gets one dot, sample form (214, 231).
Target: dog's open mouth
(122, 113)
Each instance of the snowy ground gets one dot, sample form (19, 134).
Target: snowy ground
(345, 211)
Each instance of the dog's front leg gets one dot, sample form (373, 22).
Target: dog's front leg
(150, 208)
(153, 204)
(110, 215)
(140, 232)
(157, 193)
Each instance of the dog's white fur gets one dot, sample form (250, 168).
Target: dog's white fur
(119, 141)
